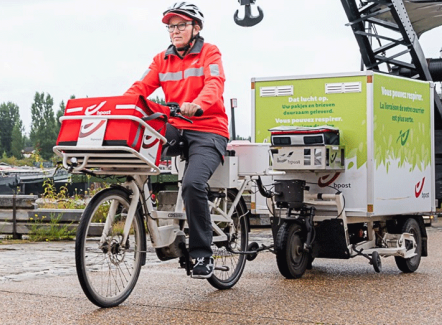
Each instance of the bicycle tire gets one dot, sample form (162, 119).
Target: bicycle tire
(222, 279)
(108, 271)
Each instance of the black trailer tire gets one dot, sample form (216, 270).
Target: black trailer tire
(376, 261)
(291, 258)
(410, 265)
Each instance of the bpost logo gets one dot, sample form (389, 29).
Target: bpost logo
(149, 141)
(89, 128)
(284, 157)
(403, 136)
(327, 180)
(418, 190)
(91, 110)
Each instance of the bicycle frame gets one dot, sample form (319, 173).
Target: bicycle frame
(163, 236)
(119, 160)
(218, 214)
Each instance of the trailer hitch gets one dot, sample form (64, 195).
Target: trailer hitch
(249, 20)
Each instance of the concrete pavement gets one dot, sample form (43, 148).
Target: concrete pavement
(38, 285)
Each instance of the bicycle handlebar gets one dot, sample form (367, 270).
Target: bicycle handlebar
(175, 112)
(199, 112)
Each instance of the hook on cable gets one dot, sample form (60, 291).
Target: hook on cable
(249, 20)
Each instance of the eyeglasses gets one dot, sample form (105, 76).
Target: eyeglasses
(180, 26)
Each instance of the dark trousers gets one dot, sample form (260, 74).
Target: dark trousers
(205, 151)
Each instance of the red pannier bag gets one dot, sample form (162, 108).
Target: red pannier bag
(115, 132)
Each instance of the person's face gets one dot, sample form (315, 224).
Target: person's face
(181, 38)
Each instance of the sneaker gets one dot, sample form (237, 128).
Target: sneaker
(203, 268)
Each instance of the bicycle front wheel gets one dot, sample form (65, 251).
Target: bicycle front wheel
(228, 265)
(107, 268)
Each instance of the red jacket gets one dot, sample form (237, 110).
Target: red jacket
(198, 78)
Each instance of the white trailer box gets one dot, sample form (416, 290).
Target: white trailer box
(385, 125)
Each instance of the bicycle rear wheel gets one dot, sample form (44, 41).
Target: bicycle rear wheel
(107, 268)
(229, 266)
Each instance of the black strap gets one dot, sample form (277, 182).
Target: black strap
(155, 116)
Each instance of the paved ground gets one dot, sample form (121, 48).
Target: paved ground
(38, 285)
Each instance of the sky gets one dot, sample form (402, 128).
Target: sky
(95, 48)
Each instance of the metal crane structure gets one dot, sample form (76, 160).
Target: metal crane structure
(387, 33)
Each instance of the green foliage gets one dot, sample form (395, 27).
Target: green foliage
(9, 118)
(26, 141)
(238, 137)
(17, 143)
(60, 113)
(158, 100)
(18, 162)
(43, 128)
(59, 199)
(50, 228)
(52, 231)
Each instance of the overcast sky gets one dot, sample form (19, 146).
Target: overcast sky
(100, 47)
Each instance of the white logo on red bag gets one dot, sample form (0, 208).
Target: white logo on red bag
(89, 128)
(149, 141)
(91, 110)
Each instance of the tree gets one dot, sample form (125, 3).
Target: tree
(9, 116)
(60, 113)
(43, 127)
(26, 141)
(17, 143)
(158, 100)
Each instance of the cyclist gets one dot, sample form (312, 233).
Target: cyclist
(190, 72)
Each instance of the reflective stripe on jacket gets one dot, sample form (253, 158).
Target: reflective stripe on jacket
(197, 78)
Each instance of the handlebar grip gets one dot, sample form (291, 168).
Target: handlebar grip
(199, 112)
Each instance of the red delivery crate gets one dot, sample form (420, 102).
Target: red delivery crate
(113, 132)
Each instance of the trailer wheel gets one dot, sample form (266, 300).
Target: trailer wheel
(410, 265)
(291, 258)
(376, 261)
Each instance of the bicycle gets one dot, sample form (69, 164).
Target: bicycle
(111, 241)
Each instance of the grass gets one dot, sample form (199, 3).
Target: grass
(51, 231)
(50, 228)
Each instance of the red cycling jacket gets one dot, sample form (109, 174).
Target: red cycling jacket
(197, 78)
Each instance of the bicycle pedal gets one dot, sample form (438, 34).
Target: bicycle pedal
(182, 262)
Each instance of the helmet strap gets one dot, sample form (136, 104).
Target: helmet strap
(189, 44)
